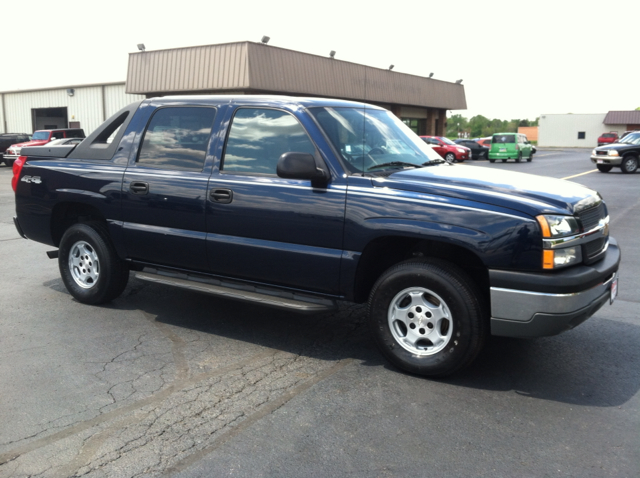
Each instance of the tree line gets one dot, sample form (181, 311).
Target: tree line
(480, 126)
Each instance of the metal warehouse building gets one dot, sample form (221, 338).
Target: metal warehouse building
(84, 106)
(235, 68)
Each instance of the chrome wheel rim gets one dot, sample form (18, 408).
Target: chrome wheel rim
(631, 165)
(84, 264)
(420, 321)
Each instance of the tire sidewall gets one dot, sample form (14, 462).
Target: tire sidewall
(83, 232)
(454, 354)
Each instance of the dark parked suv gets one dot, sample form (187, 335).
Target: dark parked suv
(7, 139)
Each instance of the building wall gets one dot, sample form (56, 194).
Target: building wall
(563, 130)
(530, 131)
(90, 105)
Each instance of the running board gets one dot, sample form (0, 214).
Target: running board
(238, 291)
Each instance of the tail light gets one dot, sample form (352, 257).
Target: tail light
(17, 169)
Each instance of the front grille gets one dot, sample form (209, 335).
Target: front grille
(602, 153)
(591, 217)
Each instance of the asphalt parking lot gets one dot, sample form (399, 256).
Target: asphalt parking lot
(168, 382)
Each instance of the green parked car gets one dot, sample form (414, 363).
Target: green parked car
(510, 146)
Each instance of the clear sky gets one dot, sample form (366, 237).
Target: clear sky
(517, 59)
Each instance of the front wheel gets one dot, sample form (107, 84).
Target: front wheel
(450, 157)
(89, 266)
(8, 162)
(426, 317)
(629, 164)
(604, 168)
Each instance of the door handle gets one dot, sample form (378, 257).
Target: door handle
(139, 187)
(222, 196)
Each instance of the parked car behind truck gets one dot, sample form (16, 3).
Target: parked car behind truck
(39, 138)
(296, 203)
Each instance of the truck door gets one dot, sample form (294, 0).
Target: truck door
(164, 190)
(265, 228)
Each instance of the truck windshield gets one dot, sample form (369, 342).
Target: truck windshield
(371, 140)
(633, 138)
(40, 135)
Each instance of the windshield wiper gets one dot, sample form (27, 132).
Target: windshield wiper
(394, 163)
(434, 161)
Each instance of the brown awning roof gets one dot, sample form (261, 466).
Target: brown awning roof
(622, 117)
(255, 67)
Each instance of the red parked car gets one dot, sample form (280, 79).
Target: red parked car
(446, 148)
(607, 138)
(40, 138)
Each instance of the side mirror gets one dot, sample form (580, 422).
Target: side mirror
(300, 166)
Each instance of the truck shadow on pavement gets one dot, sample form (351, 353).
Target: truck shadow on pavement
(596, 364)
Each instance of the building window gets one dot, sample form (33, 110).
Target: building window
(412, 123)
(581, 134)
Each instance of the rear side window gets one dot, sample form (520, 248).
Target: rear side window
(75, 133)
(259, 136)
(504, 138)
(609, 135)
(177, 138)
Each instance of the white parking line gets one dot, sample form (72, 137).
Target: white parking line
(581, 174)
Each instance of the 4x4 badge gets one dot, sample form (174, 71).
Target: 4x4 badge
(31, 179)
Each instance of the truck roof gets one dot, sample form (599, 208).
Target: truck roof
(273, 100)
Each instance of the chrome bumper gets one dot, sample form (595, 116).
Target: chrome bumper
(538, 313)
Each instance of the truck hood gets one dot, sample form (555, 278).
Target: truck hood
(33, 142)
(527, 193)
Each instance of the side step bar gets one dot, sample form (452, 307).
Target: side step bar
(238, 291)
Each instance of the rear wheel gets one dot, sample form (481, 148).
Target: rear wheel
(91, 270)
(426, 317)
(604, 168)
(629, 164)
(492, 160)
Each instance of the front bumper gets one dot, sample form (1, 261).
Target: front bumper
(538, 305)
(606, 159)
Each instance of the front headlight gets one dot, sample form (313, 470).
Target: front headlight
(593, 153)
(558, 226)
(556, 258)
(613, 152)
(460, 150)
(555, 227)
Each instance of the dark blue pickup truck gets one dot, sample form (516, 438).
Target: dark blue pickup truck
(298, 203)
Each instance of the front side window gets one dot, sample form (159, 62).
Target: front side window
(371, 140)
(177, 138)
(259, 136)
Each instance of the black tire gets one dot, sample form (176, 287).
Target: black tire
(492, 160)
(530, 158)
(629, 164)
(8, 162)
(450, 158)
(604, 168)
(444, 313)
(504, 160)
(91, 270)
